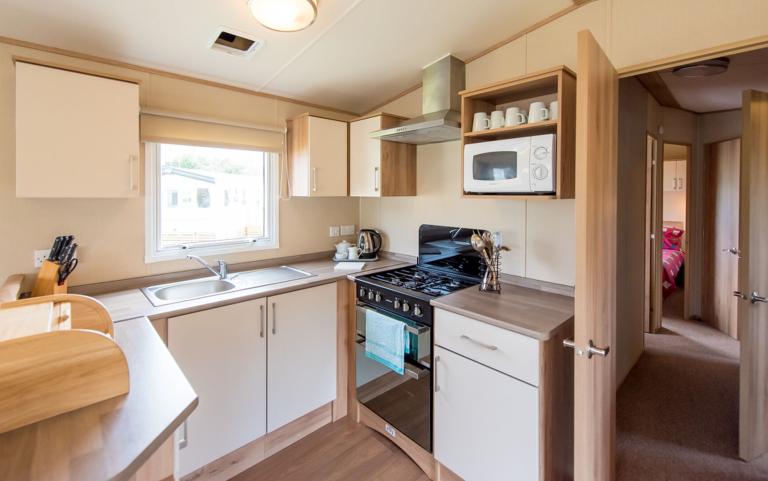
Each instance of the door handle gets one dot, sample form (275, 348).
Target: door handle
(590, 351)
(739, 294)
(733, 250)
(274, 318)
(756, 297)
(261, 321)
(434, 370)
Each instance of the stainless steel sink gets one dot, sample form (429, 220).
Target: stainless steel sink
(195, 289)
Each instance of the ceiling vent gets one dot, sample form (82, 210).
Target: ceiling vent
(231, 41)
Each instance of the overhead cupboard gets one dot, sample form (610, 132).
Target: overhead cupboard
(77, 135)
(317, 156)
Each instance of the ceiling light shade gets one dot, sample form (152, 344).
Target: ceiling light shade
(284, 15)
(706, 68)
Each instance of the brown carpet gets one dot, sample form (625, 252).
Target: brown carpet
(677, 411)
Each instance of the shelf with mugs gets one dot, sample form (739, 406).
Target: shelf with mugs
(534, 104)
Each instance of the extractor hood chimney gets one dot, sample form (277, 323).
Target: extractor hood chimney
(440, 107)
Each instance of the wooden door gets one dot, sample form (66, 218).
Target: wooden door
(753, 277)
(301, 372)
(223, 353)
(327, 157)
(364, 158)
(595, 295)
(486, 423)
(721, 235)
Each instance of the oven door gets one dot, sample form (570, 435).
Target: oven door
(404, 401)
(500, 166)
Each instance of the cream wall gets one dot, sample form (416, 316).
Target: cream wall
(111, 231)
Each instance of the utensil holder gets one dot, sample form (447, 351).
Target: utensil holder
(490, 282)
(47, 282)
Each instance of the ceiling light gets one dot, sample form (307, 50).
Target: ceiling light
(284, 15)
(706, 68)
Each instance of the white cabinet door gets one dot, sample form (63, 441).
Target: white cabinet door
(364, 158)
(680, 173)
(486, 423)
(670, 176)
(327, 157)
(302, 353)
(77, 135)
(223, 353)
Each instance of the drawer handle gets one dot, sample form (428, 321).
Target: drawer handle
(481, 344)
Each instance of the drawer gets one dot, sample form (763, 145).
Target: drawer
(500, 349)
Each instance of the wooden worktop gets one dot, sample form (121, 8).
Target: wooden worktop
(531, 312)
(132, 303)
(109, 440)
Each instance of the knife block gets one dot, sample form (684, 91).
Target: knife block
(47, 282)
(53, 362)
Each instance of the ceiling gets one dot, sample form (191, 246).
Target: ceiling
(720, 92)
(357, 54)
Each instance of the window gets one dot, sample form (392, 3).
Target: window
(217, 200)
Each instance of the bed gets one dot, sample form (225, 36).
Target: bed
(672, 260)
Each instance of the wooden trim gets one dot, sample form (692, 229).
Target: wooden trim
(260, 449)
(69, 68)
(11, 288)
(731, 48)
(422, 458)
(164, 73)
(376, 114)
(98, 318)
(405, 92)
(351, 353)
(658, 89)
(310, 114)
(340, 404)
(528, 77)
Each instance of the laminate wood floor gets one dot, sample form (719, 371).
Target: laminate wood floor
(340, 451)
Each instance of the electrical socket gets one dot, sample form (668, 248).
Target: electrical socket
(333, 231)
(40, 256)
(348, 229)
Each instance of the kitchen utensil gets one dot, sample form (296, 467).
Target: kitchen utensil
(68, 253)
(480, 122)
(66, 268)
(55, 248)
(497, 119)
(354, 253)
(537, 112)
(514, 116)
(554, 109)
(479, 245)
(369, 242)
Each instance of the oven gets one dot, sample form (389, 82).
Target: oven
(511, 166)
(403, 401)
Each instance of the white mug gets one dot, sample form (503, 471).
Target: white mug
(537, 112)
(515, 117)
(497, 119)
(354, 252)
(554, 109)
(481, 122)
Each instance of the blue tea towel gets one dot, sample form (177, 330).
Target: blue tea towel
(385, 341)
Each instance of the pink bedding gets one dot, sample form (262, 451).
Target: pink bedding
(671, 260)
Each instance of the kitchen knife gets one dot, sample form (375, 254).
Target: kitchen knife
(68, 254)
(63, 247)
(55, 248)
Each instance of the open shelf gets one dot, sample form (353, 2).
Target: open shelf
(557, 83)
(546, 126)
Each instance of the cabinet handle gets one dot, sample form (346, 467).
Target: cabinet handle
(274, 318)
(376, 179)
(481, 344)
(437, 387)
(675, 186)
(314, 179)
(132, 184)
(184, 436)
(261, 321)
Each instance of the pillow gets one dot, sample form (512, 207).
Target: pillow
(672, 238)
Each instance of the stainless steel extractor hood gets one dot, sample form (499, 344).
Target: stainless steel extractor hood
(441, 117)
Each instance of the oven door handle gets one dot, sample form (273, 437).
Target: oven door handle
(409, 369)
(411, 329)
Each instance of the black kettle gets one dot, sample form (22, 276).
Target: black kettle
(369, 242)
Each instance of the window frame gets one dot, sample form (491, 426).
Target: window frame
(153, 203)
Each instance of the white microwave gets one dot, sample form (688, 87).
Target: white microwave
(511, 166)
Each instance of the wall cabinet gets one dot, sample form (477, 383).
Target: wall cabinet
(317, 156)
(77, 135)
(256, 366)
(223, 353)
(379, 168)
(674, 176)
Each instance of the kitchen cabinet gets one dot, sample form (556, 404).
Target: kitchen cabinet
(302, 353)
(317, 156)
(256, 366)
(379, 168)
(77, 135)
(223, 354)
(674, 176)
(486, 423)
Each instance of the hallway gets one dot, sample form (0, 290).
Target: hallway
(677, 411)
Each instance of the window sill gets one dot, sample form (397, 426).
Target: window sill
(180, 253)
